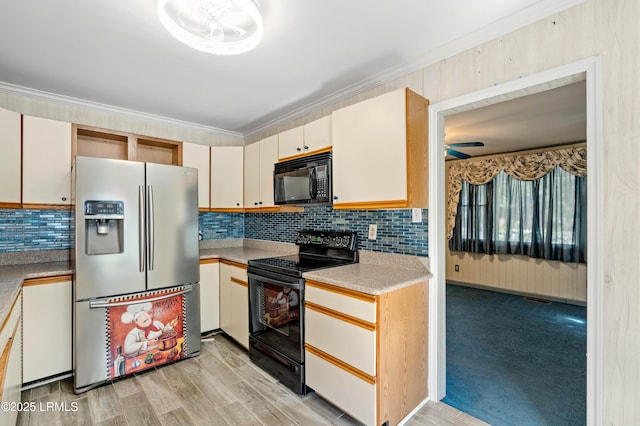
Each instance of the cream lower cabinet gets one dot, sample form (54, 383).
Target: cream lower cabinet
(234, 302)
(367, 354)
(10, 158)
(209, 294)
(47, 327)
(10, 362)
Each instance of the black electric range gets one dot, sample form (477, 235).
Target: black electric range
(276, 301)
(318, 250)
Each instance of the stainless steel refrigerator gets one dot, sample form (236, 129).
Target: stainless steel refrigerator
(136, 292)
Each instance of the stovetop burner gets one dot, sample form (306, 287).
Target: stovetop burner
(296, 264)
(318, 250)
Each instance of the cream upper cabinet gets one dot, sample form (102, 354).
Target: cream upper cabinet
(252, 175)
(317, 135)
(46, 174)
(258, 172)
(308, 139)
(197, 156)
(227, 177)
(380, 152)
(291, 143)
(9, 158)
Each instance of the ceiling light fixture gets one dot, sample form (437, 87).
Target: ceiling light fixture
(221, 27)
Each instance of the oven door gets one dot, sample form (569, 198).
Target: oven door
(276, 317)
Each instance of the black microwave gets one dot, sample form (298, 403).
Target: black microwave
(304, 180)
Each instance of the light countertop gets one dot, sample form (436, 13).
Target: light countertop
(12, 277)
(369, 278)
(376, 273)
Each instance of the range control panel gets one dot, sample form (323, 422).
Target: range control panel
(328, 239)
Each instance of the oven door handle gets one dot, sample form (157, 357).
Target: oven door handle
(269, 280)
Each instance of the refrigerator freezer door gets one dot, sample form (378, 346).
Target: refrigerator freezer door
(172, 216)
(99, 275)
(109, 344)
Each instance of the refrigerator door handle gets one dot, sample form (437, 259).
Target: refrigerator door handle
(141, 238)
(102, 303)
(151, 230)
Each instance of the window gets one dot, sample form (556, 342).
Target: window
(543, 218)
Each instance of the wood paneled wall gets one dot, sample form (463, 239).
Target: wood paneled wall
(565, 282)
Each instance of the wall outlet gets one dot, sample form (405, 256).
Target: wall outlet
(373, 231)
(416, 215)
(457, 268)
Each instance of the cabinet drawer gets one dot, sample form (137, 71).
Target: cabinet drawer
(350, 341)
(352, 303)
(238, 274)
(351, 393)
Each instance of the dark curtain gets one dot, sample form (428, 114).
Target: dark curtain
(545, 218)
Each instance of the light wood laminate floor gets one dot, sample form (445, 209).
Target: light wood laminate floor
(219, 387)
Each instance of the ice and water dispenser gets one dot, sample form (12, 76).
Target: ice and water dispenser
(104, 227)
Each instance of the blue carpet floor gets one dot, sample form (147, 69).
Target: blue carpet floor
(515, 362)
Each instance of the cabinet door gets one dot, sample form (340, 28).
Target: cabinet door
(197, 156)
(290, 143)
(46, 146)
(234, 303)
(47, 327)
(317, 135)
(252, 175)
(11, 361)
(268, 157)
(370, 150)
(240, 311)
(225, 297)
(227, 177)
(9, 158)
(209, 295)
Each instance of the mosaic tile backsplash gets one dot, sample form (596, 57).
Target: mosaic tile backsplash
(219, 226)
(396, 232)
(25, 230)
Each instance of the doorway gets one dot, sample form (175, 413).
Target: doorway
(588, 69)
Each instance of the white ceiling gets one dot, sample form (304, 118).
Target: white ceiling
(116, 54)
(552, 117)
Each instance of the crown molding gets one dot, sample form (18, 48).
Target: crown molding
(39, 95)
(518, 20)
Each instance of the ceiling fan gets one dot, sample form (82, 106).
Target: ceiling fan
(448, 149)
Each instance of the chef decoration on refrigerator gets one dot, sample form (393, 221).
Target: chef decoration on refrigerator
(145, 334)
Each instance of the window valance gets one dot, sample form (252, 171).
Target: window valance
(523, 167)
